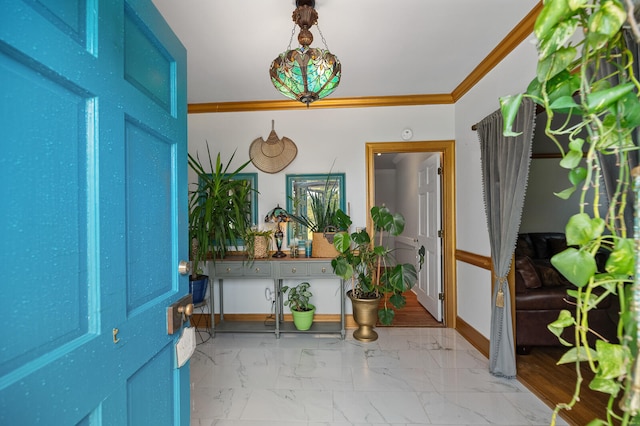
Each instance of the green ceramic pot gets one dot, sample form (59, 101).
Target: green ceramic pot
(303, 320)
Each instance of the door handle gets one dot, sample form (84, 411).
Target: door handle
(184, 267)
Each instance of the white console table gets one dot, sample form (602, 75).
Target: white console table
(276, 269)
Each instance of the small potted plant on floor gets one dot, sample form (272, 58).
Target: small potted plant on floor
(372, 271)
(298, 302)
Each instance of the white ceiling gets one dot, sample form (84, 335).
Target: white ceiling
(386, 47)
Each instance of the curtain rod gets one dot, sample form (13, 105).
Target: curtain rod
(539, 110)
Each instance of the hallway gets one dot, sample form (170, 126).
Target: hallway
(409, 376)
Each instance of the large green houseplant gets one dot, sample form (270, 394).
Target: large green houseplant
(370, 267)
(219, 209)
(586, 70)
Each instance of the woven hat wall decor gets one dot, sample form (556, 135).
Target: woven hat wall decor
(274, 154)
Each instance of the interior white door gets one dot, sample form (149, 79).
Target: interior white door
(429, 285)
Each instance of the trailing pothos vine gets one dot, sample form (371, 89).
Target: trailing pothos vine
(585, 70)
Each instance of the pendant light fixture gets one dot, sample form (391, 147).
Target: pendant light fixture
(307, 73)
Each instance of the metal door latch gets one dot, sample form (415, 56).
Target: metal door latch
(178, 313)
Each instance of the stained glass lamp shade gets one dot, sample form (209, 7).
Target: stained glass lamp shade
(305, 74)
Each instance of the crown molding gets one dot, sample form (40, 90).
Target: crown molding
(289, 104)
(521, 31)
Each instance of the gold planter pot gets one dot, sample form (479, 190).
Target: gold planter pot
(365, 314)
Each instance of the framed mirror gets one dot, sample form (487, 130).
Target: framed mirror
(304, 194)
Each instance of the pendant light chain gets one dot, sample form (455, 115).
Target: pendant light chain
(293, 32)
(322, 37)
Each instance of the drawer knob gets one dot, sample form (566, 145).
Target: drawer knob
(324, 270)
(257, 269)
(293, 270)
(228, 269)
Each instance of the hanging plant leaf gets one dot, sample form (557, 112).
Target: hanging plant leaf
(611, 359)
(571, 159)
(629, 107)
(557, 38)
(566, 193)
(577, 175)
(509, 106)
(608, 386)
(602, 99)
(563, 84)
(565, 319)
(581, 229)
(622, 259)
(550, 15)
(577, 354)
(578, 266)
(555, 63)
(607, 20)
(563, 103)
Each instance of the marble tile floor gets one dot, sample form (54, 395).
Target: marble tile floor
(409, 376)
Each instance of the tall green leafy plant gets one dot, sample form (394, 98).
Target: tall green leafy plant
(369, 266)
(576, 39)
(219, 208)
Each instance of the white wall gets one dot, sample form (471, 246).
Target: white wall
(322, 136)
(510, 76)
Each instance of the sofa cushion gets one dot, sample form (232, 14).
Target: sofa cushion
(524, 247)
(557, 245)
(549, 276)
(527, 270)
(547, 298)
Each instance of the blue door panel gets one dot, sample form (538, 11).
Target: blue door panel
(147, 65)
(43, 171)
(94, 212)
(156, 410)
(149, 161)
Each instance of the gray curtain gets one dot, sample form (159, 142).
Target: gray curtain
(505, 170)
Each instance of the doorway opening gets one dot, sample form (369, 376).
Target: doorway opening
(446, 149)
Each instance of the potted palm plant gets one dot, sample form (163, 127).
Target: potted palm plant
(219, 214)
(298, 301)
(371, 270)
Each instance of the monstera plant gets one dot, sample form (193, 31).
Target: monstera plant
(586, 71)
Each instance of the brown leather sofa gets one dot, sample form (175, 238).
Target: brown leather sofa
(541, 293)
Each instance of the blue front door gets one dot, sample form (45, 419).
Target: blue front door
(93, 210)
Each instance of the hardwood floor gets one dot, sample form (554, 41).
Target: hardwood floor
(555, 384)
(412, 315)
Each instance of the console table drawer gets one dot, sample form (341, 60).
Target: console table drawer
(292, 269)
(228, 269)
(258, 269)
(320, 269)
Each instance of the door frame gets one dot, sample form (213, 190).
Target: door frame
(447, 149)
